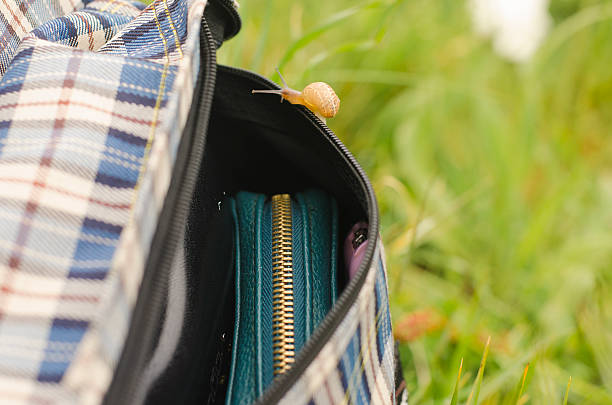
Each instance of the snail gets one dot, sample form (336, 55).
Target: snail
(318, 97)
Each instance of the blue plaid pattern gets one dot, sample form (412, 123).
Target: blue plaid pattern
(17, 19)
(93, 98)
(356, 366)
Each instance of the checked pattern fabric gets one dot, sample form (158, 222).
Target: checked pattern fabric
(93, 99)
(356, 365)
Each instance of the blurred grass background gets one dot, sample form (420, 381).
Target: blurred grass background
(494, 181)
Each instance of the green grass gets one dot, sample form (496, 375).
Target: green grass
(494, 183)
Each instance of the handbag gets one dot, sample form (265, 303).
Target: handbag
(123, 146)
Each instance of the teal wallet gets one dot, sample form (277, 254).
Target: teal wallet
(286, 253)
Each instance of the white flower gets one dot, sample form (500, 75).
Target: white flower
(517, 27)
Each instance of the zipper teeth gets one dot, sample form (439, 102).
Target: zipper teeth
(283, 337)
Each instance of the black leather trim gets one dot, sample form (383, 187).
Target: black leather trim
(223, 20)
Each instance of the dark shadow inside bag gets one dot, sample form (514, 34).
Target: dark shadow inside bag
(253, 143)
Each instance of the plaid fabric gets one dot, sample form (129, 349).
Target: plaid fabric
(356, 366)
(93, 99)
(17, 19)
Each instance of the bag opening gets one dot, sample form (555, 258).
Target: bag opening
(253, 143)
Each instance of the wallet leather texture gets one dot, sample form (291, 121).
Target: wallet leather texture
(314, 251)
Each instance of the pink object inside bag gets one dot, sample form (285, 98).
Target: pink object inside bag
(355, 245)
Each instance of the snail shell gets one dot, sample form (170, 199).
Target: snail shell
(321, 98)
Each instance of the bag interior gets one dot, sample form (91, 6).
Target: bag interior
(254, 143)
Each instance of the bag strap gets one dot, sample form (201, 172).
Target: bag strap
(223, 20)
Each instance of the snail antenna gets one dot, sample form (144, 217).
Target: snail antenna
(282, 78)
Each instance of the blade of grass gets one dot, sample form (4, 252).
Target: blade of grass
(476, 387)
(262, 42)
(371, 76)
(569, 382)
(520, 391)
(455, 397)
(497, 381)
(574, 24)
(332, 22)
(423, 371)
(582, 388)
(523, 400)
(346, 47)
(389, 13)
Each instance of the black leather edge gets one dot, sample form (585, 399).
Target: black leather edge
(223, 20)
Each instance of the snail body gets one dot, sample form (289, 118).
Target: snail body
(318, 97)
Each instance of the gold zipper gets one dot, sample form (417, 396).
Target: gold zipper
(283, 338)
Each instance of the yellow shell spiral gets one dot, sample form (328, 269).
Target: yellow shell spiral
(321, 98)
